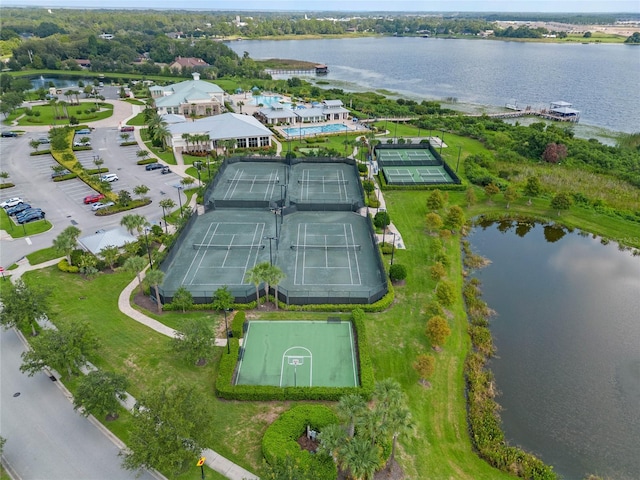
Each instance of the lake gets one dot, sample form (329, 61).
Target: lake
(567, 333)
(600, 80)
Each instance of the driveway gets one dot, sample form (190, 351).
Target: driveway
(46, 438)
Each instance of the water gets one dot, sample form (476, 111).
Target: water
(302, 131)
(596, 79)
(568, 339)
(62, 82)
(266, 100)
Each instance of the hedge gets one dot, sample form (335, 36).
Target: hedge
(237, 322)
(226, 389)
(64, 266)
(280, 439)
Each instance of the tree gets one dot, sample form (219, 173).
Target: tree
(186, 182)
(22, 306)
(166, 204)
(397, 272)
(98, 162)
(561, 201)
(35, 144)
(470, 196)
(331, 438)
(434, 222)
(554, 153)
(510, 195)
(273, 276)
(124, 198)
(64, 349)
(425, 365)
(399, 422)
(532, 187)
(445, 292)
(435, 201)
(133, 222)
(255, 275)
(142, 154)
(438, 330)
(195, 341)
(67, 241)
(136, 265)
(349, 409)
(438, 271)
(168, 430)
(455, 218)
(388, 395)
(182, 299)
(154, 278)
(491, 190)
(141, 191)
(381, 219)
(98, 393)
(360, 457)
(368, 186)
(110, 254)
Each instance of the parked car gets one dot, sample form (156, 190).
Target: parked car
(81, 144)
(44, 140)
(165, 170)
(127, 129)
(9, 133)
(96, 197)
(32, 216)
(11, 202)
(99, 206)
(61, 173)
(109, 177)
(21, 207)
(153, 166)
(26, 213)
(83, 131)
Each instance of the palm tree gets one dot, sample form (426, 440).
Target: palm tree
(370, 425)
(360, 457)
(53, 103)
(388, 395)
(398, 423)
(161, 134)
(332, 438)
(110, 254)
(273, 277)
(133, 222)
(154, 278)
(350, 407)
(187, 138)
(256, 276)
(66, 242)
(166, 204)
(136, 265)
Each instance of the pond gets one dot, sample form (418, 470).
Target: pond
(567, 332)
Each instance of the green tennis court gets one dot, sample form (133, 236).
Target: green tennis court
(298, 353)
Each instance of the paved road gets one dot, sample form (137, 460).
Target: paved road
(46, 438)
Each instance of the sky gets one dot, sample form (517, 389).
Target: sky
(572, 6)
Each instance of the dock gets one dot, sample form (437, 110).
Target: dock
(318, 70)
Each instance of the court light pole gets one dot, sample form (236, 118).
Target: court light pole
(226, 330)
(393, 248)
(270, 249)
(441, 141)
(146, 242)
(459, 151)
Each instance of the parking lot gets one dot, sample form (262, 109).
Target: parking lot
(63, 201)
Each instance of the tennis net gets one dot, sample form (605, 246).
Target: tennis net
(213, 246)
(324, 181)
(326, 247)
(253, 180)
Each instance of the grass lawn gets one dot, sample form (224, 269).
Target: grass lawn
(47, 114)
(20, 231)
(165, 155)
(138, 120)
(43, 255)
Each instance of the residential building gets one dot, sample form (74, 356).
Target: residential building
(188, 62)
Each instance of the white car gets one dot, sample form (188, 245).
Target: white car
(81, 144)
(99, 205)
(12, 202)
(109, 177)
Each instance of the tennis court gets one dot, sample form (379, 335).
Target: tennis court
(298, 353)
(416, 175)
(404, 156)
(250, 181)
(324, 183)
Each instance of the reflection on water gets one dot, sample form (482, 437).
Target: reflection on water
(568, 339)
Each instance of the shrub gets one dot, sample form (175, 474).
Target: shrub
(237, 324)
(280, 439)
(64, 266)
(397, 272)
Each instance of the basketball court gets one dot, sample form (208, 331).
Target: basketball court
(298, 353)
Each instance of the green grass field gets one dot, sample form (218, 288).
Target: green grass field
(79, 111)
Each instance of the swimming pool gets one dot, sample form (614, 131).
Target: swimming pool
(302, 131)
(265, 100)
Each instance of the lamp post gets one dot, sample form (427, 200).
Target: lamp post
(459, 151)
(283, 192)
(393, 248)
(180, 187)
(226, 330)
(198, 166)
(441, 141)
(146, 241)
(270, 249)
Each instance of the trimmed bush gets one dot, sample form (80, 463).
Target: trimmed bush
(280, 439)
(64, 266)
(397, 272)
(237, 322)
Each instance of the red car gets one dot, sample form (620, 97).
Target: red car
(96, 197)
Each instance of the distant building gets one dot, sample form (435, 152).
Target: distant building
(188, 62)
(84, 63)
(193, 98)
(326, 111)
(106, 36)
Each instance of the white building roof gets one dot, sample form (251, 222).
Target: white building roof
(106, 238)
(189, 91)
(171, 118)
(220, 127)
